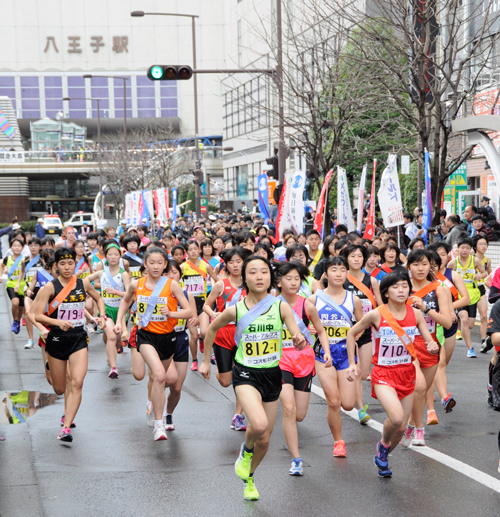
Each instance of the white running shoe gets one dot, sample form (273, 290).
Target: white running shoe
(30, 344)
(168, 423)
(418, 438)
(159, 433)
(150, 417)
(407, 436)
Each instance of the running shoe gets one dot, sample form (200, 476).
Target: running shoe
(486, 346)
(168, 423)
(237, 423)
(13, 327)
(363, 415)
(23, 322)
(407, 436)
(296, 468)
(150, 417)
(459, 335)
(418, 438)
(381, 461)
(471, 354)
(448, 403)
(339, 449)
(212, 359)
(194, 366)
(90, 328)
(432, 418)
(251, 493)
(30, 344)
(202, 346)
(113, 373)
(243, 463)
(119, 348)
(73, 425)
(65, 435)
(490, 398)
(159, 433)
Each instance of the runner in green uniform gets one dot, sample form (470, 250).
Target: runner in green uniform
(256, 375)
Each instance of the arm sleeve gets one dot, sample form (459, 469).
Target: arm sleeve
(3, 231)
(494, 294)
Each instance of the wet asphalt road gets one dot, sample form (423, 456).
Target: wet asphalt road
(113, 467)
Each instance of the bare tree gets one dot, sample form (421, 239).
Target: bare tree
(430, 58)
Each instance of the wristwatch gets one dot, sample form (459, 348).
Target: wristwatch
(427, 309)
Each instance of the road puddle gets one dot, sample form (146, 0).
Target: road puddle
(18, 406)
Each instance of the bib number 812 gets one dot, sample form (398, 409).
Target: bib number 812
(261, 348)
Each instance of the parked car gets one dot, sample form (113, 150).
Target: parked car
(77, 220)
(52, 224)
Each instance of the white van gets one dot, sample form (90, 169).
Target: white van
(77, 220)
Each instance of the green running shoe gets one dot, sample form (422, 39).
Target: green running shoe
(363, 415)
(243, 463)
(250, 493)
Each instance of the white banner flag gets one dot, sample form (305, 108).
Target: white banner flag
(295, 205)
(161, 208)
(361, 199)
(344, 211)
(128, 209)
(389, 195)
(283, 221)
(134, 208)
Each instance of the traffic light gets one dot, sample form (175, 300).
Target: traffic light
(274, 162)
(170, 73)
(198, 177)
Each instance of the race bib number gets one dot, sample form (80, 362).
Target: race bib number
(181, 324)
(261, 348)
(135, 272)
(391, 351)
(142, 302)
(336, 330)
(286, 340)
(73, 312)
(430, 323)
(194, 285)
(367, 305)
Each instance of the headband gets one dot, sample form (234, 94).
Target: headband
(113, 245)
(65, 256)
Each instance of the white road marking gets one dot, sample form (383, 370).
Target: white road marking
(452, 463)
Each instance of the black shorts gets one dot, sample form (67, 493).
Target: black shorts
(12, 294)
(164, 344)
(365, 339)
(299, 383)
(200, 302)
(471, 310)
(482, 289)
(267, 381)
(224, 358)
(181, 354)
(494, 319)
(62, 346)
(35, 292)
(451, 331)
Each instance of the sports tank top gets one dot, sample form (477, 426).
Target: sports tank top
(261, 342)
(388, 350)
(193, 281)
(484, 262)
(134, 267)
(32, 271)
(306, 287)
(225, 335)
(158, 324)
(299, 309)
(72, 308)
(12, 281)
(365, 303)
(110, 299)
(431, 302)
(467, 272)
(335, 324)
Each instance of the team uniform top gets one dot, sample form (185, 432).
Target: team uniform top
(83, 270)
(180, 327)
(389, 269)
(225, 335)
(194, 282)
(365, 302)
(31, 272)
(110, 299)
(72, 308)
(8, 262)
(158, 324)
(260, 346)
(468, 272)
(42, 277)
(335, 324)
(306, 287)
(134, 266)
(214, 262)
(388, 350)
(377, 273)
(484, 263)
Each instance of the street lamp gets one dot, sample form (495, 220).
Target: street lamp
(98, 141)
(140, 14)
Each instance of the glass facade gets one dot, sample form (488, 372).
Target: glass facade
(38, 96)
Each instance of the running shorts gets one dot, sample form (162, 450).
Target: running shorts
(340, 360)
(132, 338)
(181, 354)
(482, 289)
(35, 292)
(12, 294)
(200, 302)
(267, 381)
(451, 331)
(401, 378)
(300, 363)
(299, 383)
(425, 358)
(111, 312)
(164, 344)
(61, 347)
(224, 358)
(471, 310)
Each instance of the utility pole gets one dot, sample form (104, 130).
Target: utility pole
(279, 84)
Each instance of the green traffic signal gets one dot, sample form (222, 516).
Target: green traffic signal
(156, 72)
(169, 73)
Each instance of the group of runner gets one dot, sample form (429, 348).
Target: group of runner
(269, 320)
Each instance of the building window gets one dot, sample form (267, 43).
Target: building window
(53, 96)
(99, 90)
(145, 97)
(30, 97)
(242, 180)
(168, 91)
(76, 92)
(8, 88)
(118, 93)
(240, 45)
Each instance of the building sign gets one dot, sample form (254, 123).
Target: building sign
(11, 156)
(75, 45)
(458, 182)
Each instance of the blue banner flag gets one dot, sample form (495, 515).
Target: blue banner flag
(263, 196)
(427, 201)
(174, 207)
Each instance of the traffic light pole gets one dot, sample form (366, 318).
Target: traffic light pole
(197, 191)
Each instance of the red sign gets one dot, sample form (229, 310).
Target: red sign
(370, 223)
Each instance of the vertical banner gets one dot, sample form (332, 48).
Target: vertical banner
(283, 219)
(263, 196)
(361, 200)
(156, 199)
(296, 207)
(140, 207)
(167, 204)
(174, 207)
(147, 199)
(344, 211)
(160, 206)
(318, 220)
(128, 209)
(389, 195)
(427, 208)
(370, 223)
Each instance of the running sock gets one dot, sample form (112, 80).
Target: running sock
(490, 376)
(158, 423)
(384, 445)
(251, 475)
(150, 404)
(246, 449)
